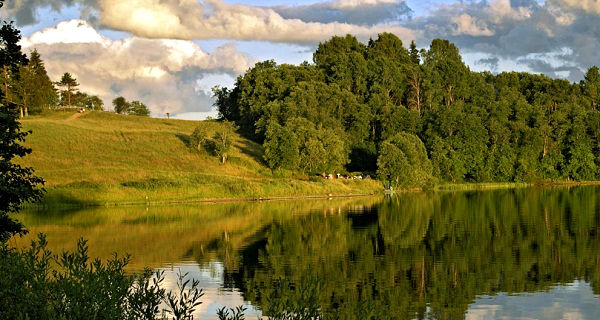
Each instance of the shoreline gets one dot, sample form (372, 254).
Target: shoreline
(440, 188)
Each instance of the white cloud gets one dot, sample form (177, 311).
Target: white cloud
(161, 73)
(591, 6)
(502, 9)
(465, 24)
(344, 4)
(190, 19)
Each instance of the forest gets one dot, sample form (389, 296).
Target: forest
(416, 117)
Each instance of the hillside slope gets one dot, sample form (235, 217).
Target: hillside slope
(102, 158)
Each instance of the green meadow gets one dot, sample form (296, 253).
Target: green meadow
(102, 158)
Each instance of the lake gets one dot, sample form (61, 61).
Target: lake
(529, 253)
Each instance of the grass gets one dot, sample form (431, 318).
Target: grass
(102, 158)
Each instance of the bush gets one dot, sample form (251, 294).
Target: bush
(403, 162)
(35, 284)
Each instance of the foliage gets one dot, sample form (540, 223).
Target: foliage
(37, 284)
(236, 313)
(121, 105)
(34, 89)
(223, 140)
(18, 185)
(403, 161)
(281, 147)
(70, 84)
(84, 100)
(397, 259)
(301, 145)
(476, 126)
(199, 138)
(139, 109)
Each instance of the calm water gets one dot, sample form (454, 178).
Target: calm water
(526, 254)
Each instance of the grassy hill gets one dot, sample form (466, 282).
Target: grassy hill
(101, 158)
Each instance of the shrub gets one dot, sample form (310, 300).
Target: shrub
(36, 284)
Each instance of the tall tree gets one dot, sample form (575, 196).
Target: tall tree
(41, 89)
(446, 73)
(70, 84)
(281, 147)
(11, 59)
(591, 86)
(415, 54)
(17, 184)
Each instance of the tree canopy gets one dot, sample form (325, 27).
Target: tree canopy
(475, 126)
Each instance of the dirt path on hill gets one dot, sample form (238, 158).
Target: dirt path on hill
(75, 116)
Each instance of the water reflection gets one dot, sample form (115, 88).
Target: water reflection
(532, 253)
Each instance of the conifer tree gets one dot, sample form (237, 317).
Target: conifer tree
(17, 184)
(70, 84)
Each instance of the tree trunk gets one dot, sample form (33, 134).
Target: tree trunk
(25, 105)
(450, 96)
(6, 84)
(545, 147)
(20, 112)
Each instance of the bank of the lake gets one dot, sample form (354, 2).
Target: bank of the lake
(102, 158)
(492, 254)
(107, 159)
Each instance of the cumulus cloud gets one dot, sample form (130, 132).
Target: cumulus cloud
(214, 19)
(24, 12)
(592, 6)
(525, 32)
(557, 37)
(465, 24)
(161, 73)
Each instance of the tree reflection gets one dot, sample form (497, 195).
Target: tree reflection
(423, 255)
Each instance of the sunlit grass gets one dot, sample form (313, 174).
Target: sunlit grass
(104, 158)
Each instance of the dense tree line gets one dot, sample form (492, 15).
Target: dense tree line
(28, 86)
(347, 109)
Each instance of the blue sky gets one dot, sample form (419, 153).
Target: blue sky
(170, 53)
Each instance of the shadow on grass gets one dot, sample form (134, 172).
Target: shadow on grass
(61, 198)
(253, 150)
(150, 184)
(184, 138)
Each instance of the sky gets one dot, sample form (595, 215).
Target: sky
(170, 53)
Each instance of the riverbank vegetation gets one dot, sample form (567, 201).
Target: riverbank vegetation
(357, 101)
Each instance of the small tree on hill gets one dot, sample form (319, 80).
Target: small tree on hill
(139, 109)
(223, 140)
(199, 138)
(70, 84)
(120, 105)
